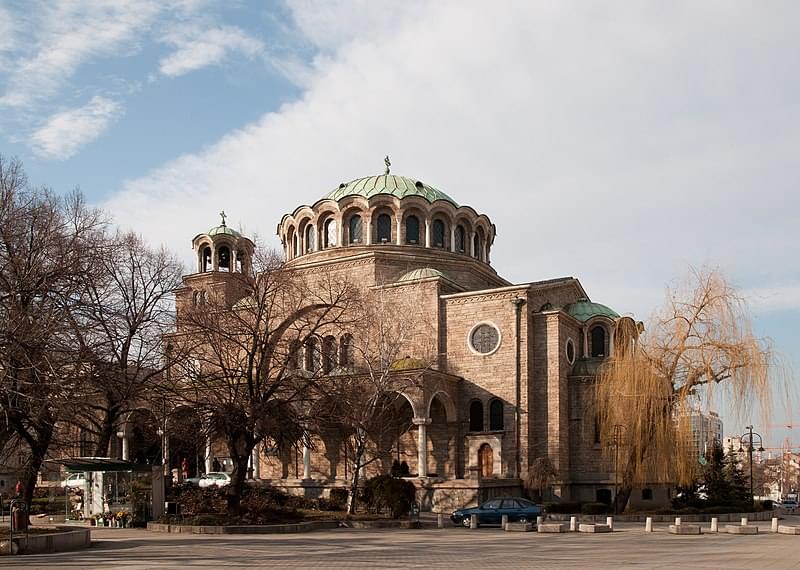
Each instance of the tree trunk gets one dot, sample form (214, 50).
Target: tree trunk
(105, 434)
(622, 498)
(235, 489)
(359, 454)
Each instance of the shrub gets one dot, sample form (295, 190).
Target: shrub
(594, 508)
(385, 492)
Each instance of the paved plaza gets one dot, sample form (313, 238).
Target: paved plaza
(428, 548)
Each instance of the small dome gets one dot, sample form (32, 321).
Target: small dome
(584, 310)
(391, 184)
(223, 230)
(422, 273)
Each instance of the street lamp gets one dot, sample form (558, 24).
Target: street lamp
(750, 434)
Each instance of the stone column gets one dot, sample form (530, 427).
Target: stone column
(256, 459)
(367, 231)
(125, 444)
(452, 238)
(427, 232)
(471, 245)
(209, 460)
(398, 240)
(306, 462)
(422, 445)
(214, 260)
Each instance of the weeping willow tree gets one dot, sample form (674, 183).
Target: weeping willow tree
(699, 346)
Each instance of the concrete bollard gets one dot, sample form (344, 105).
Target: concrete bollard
(473, 521)
(648, 524)
(440, 520)
(539, 520)
(774, 524)
(573, 524)
(744, 521)
(504, 521)
(677, 521)
(714, 524)
(610, 522)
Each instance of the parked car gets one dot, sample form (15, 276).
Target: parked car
(214, 478)
(492, 511)
(74, 480)
(193, 481)
(789, 505)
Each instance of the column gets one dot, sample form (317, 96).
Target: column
(125, 444)
(427, 232)
(367, 230)
(452, 238)
(398, 240)
(208, 458)
(256, 464)
(422, 445)
(471, 244)
(306, 461)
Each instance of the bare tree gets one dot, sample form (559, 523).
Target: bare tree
(45, 251)
(700, 342)
(243, 373)
(127, 309)
(364, 405)
(540, 475)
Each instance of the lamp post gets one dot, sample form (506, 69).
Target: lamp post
(750, 434)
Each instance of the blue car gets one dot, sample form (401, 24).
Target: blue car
(492, 511)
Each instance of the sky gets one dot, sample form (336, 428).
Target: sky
(618, 142)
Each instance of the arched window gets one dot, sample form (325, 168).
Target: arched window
(329, 236)
(438, 233)
(328, 354)
(312, 355)
(225, 258)
(597, 337)
(477, 244)
(240, 262)
(476, 416)
(309, 238)
(384, 228)
(460, 238)
(294, 246)
(206, 259)
(496, 415)
(412, 230)
(355, 229)
(346, 351)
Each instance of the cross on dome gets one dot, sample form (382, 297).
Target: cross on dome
(223, 216)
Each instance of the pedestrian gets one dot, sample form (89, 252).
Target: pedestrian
(185, 468)
(18, 488)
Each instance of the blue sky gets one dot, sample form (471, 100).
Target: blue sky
(618, 142)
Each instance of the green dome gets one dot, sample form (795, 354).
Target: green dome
(584, 310)
(422, 273)
(397, 186)
(223, 230)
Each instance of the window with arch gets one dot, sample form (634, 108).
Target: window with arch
(346, 351)
(240, 262)
(412, 230)
(496, 415)
(224, 258)
(476, 246)
(438, 233)
(312, 355)
(476, 416)
(329, 234)
(384, 228)
(294, 246)
(328, 354)
(206, 259)
(597, 340)
(355, 227)
(309, 238)
(461, 238)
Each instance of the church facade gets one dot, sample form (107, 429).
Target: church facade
(512, 366)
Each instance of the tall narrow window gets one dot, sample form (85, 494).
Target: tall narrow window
(412, 230)
(225, 258)
(477, 245)
(438, 233)
(294, 246)
(476, 416)
(312, 355)
(496, 415)
(460, 239)
(346, 351)
(330, 233)
(206, 259)
(598, 339)
(355, 229)
(384, 228)
(309, 238)
(328, 354)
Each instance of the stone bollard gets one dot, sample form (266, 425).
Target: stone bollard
(677, 521)
(774, 524)
(610, 522)
(539, 520)
(504, 522)
(440, 520)
(744, 521)
(473, 521)
(573, 524)
(714, 524)
(648, 524)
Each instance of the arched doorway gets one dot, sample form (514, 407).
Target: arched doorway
(485, 460)
(143, 438)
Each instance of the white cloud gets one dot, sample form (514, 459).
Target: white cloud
(201, 47)
(64, 133)
(64, 35)
(615, 143)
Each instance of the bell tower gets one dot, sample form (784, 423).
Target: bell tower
(223, 264)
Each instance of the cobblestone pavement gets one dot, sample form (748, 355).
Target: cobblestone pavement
(428, 548)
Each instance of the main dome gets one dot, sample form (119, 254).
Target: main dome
(391, 184)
